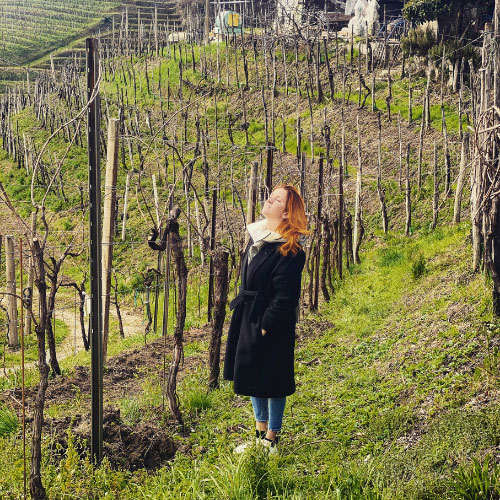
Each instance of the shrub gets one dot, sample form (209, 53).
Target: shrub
(418, 266)
(419, 42)
(420, 11)
(454, 49)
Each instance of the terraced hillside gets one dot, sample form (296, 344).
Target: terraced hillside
(44, 34)
(30, 29)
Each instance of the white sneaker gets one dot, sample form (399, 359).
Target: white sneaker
(271, 445)
(248, 444)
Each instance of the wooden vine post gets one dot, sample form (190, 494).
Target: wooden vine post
(341, 218)
(460, 180)
(408, 193)
(108, 229)
(211, 266)
(11, 290)
(252, 196)
(380, 191)
(31, 276)
(358, 222)
(317, 248)
(37, 489)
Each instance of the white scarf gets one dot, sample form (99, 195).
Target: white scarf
(260, 235)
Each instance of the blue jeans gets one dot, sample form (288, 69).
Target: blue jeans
(269, 410)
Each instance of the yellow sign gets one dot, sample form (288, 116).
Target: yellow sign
(233, 20)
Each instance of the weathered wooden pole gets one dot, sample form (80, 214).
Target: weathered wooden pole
(358, 223)
(29, 305)
(380, 191)
(400, 137)
(410, 94)
(303, 175)
(341, 218)
(408, 193)
(211, 267)
(317, 256)
(125, 205)
(435, 196)
(420, 149)
(252, 193)
(495, 216)
(198, 225)
(11, 290)
(108, 229)
(21, 330)
(269, 165)
(460, 181)
(447, 160)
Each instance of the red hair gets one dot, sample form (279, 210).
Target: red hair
(296, 224)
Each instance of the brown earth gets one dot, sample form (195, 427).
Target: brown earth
(147, 444)
(140, 446)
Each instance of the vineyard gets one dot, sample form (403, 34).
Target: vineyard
(45, 34)
(31, 29)
(397, 339)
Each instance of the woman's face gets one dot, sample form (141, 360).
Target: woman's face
(275, 206)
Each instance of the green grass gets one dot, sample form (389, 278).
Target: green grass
(8, 421)
(12, 357)
(380, 410)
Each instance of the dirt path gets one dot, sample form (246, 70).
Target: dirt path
(73, 342)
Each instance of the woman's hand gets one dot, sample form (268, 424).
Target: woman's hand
(263, 332)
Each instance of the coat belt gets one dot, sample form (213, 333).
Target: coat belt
(246, 295)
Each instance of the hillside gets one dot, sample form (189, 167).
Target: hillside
(32, 29)
(397, 386)
(397, 371)
(44, 34)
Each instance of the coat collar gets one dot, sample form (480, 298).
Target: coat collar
(256, 262)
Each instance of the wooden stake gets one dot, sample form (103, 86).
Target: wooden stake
(108, 229)
(380, 191)
(358, 223)
(435, 197)
(11, 290)
(408, 193)
(460, 181)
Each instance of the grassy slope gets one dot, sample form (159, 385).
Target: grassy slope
(392, 388)
(392, 395)
(45, 26)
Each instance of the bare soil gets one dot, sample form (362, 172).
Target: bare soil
(147, 444)
(143, 446)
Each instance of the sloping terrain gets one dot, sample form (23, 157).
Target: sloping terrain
(397, 386)
(397, 374)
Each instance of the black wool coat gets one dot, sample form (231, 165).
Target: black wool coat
(262, 365)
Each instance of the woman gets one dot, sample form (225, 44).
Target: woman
(261, 339)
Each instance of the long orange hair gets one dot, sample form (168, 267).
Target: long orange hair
(296, 224)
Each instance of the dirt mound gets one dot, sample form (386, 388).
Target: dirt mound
(120, 372)
(142, 446)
